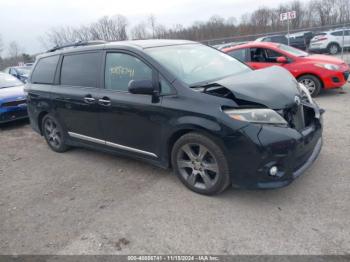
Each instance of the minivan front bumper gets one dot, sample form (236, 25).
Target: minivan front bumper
(260, 148)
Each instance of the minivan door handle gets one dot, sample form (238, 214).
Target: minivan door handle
(104, 101)
(89, 99)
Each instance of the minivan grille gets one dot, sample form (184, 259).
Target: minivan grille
(299, 117)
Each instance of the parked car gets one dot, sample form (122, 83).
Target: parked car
(227, 45)
(300, 40)
(282, 39)
(177, 104)
(331, 41)
(316, 72)
(13, 104)
(20, 72)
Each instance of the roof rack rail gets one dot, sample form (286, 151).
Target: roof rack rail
(79, 43)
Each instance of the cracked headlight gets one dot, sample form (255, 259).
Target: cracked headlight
(257, 115)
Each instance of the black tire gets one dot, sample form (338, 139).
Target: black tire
(56, 138)
(309, 81)
(200, 177)
(333, 48)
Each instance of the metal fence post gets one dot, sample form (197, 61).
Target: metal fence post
(342, 48)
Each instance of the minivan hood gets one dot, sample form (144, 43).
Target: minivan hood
(273, 87)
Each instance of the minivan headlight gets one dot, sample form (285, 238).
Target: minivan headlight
(256, 115)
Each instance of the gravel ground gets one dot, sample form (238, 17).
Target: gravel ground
(87, 202)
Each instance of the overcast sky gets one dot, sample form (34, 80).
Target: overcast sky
(25, 21)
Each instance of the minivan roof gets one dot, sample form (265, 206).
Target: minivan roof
(138, 44)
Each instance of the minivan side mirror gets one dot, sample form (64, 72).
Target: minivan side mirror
(281, 59)
(142, 87)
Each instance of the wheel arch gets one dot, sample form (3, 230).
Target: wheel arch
(176, 135)
(333, 43)
(40, 119)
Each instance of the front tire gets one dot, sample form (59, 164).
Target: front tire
(54, 134)
(312, 83)
(200, 164)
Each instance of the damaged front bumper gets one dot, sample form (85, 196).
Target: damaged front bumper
(260, 147)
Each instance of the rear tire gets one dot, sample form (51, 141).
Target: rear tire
(333, 49)
(312, 83)
(54, 134)
(200, 164)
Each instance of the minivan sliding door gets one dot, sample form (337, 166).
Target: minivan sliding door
(76, 96)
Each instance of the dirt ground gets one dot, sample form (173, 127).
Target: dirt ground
(87, 202)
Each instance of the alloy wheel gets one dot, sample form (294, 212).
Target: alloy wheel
(333, 49)
(198, 166)
(309, 84)
(52, 133)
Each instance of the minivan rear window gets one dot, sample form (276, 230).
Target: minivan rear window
(44, 71)
(80, 70)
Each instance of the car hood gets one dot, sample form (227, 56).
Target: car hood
(324, 59)
(10, 92)
(273, 87)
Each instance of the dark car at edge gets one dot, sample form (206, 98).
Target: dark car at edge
(13, 99)
(177, 104)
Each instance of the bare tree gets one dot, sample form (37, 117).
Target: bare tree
(139, 31)
(106, 28)
(14, 50)
(152, 23)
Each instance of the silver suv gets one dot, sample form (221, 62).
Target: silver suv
(331, 41)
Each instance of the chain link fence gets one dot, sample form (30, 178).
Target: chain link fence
(338, 34)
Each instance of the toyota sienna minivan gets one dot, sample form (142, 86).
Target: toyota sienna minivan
(177, 104)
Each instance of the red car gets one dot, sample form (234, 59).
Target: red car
(316, 72)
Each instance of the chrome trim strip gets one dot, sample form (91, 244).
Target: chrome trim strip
(130, 149)
(87, 138)
(103, 142)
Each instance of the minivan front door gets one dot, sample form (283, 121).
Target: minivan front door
(75, 98)
(130, 122)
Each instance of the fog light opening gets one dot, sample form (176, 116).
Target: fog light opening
(273, 171)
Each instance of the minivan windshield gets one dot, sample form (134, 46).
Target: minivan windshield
(196, 63)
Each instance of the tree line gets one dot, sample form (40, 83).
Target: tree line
(15, 54)
(313, 13)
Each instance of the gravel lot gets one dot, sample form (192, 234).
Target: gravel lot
(87, 202)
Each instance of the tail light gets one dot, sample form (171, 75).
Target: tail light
(320, 39)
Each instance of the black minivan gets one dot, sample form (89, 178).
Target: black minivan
(177, 104)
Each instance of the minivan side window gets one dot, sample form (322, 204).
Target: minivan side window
(44, 71)
(165, 87)
(80, 70)
(122, 68)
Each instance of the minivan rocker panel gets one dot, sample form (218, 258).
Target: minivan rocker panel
(213, 120)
